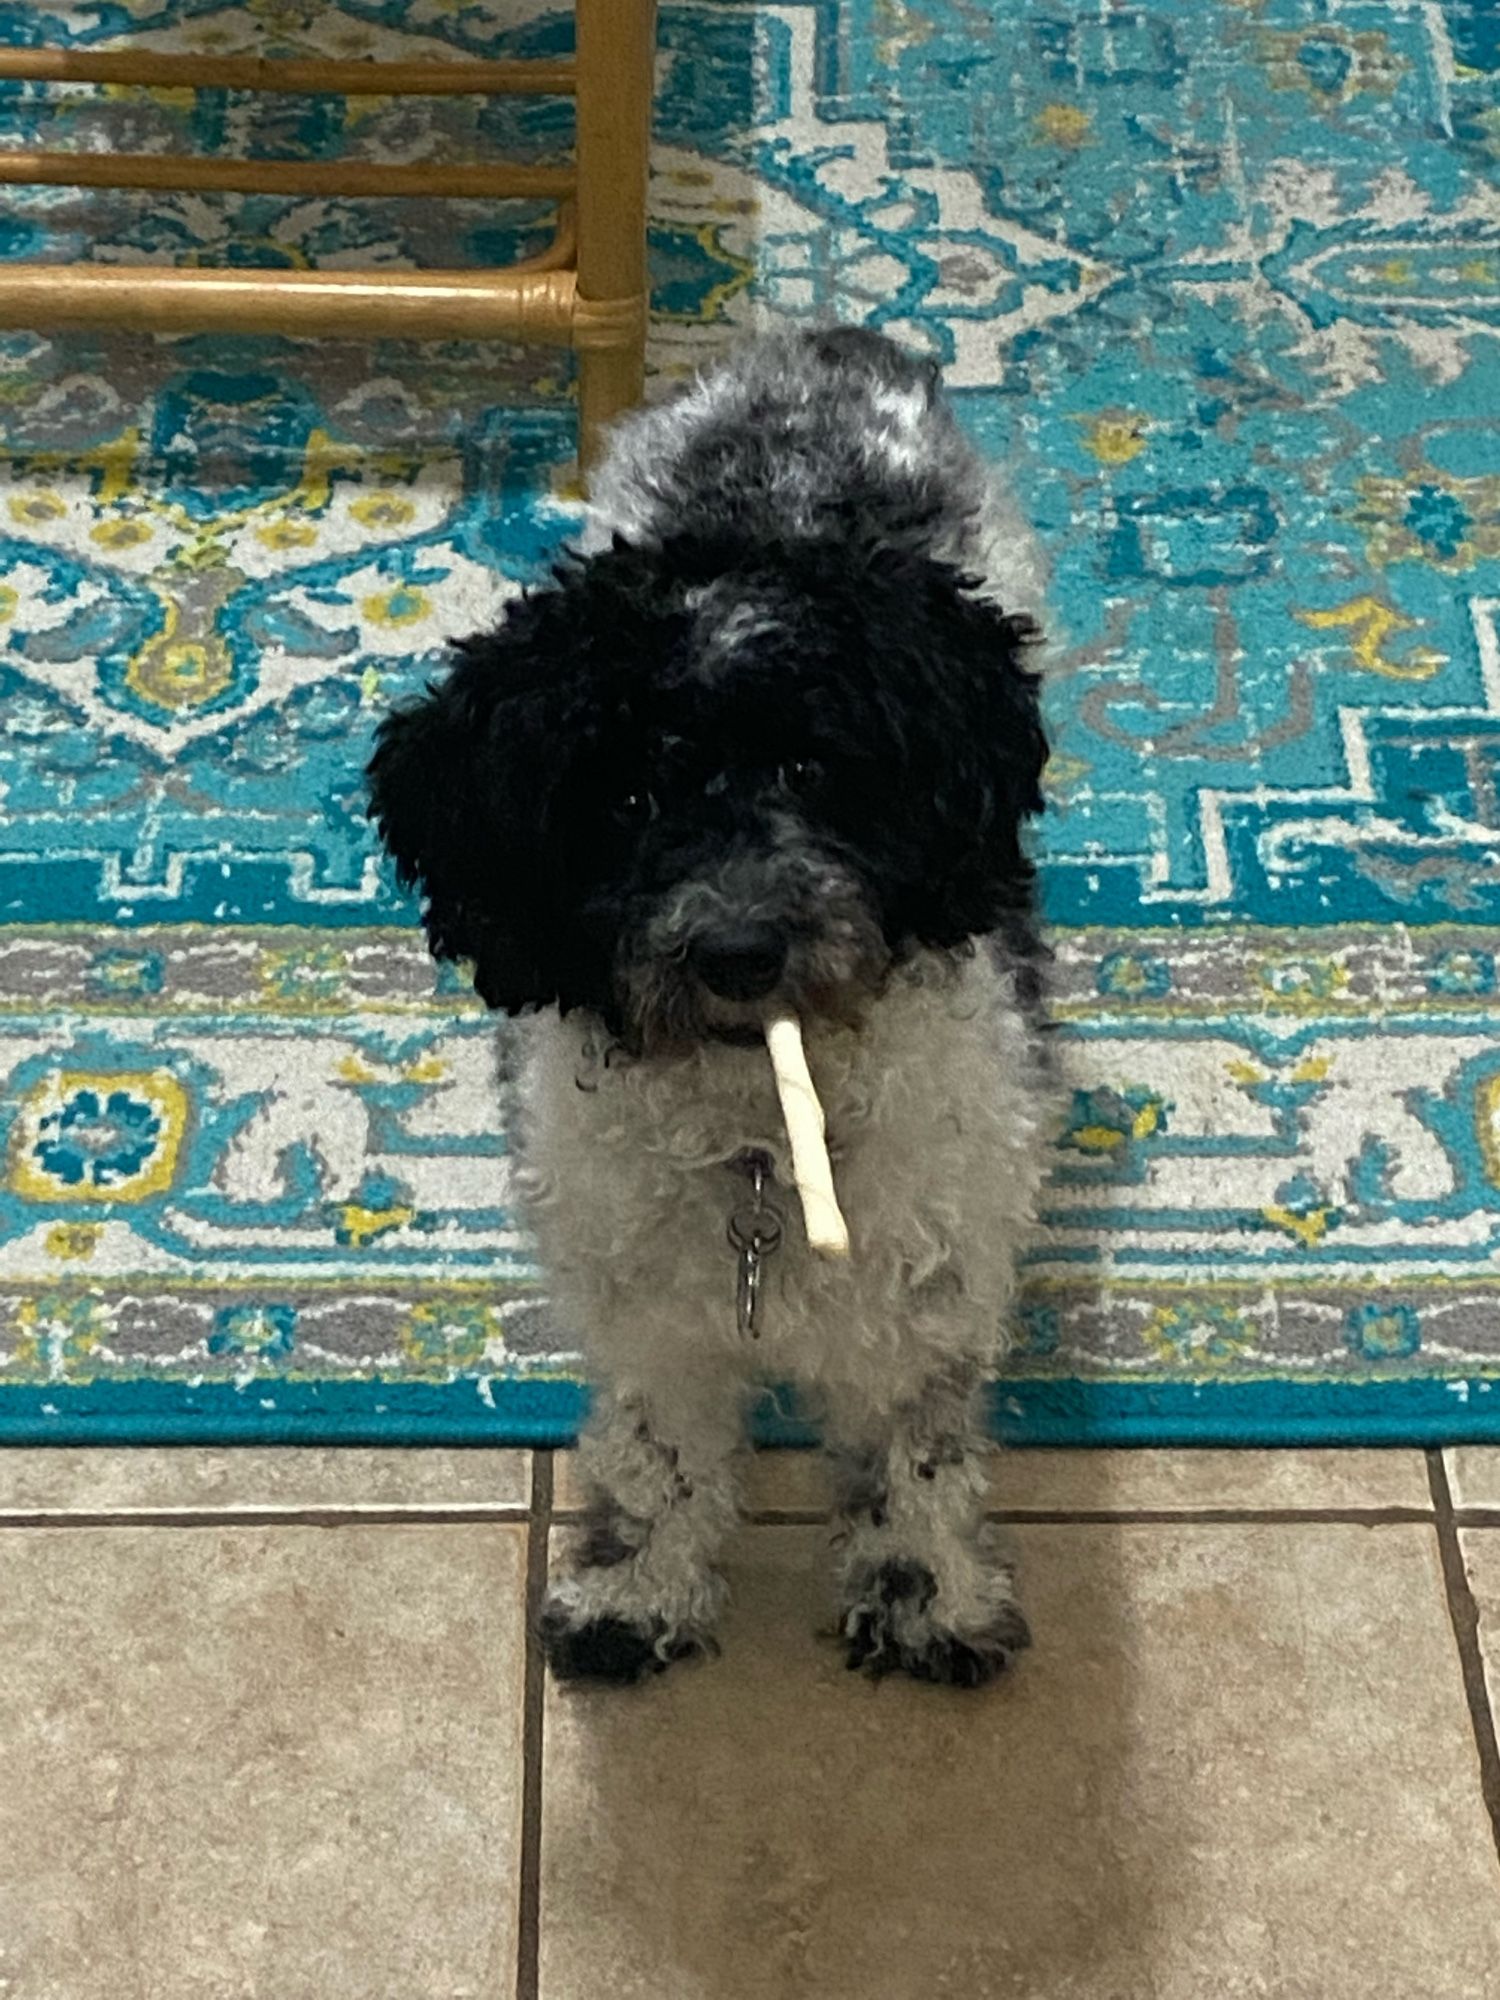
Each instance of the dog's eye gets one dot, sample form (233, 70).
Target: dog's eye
(803, 777)
(637, 808)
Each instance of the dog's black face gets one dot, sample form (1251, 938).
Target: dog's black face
(681, 784)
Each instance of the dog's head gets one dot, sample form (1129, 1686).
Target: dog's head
(678, 784)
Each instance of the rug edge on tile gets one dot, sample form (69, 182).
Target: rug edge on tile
(543, 1413)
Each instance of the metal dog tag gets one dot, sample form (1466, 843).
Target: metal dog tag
(755, 1233)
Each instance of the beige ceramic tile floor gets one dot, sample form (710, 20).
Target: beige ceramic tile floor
(270, 1725)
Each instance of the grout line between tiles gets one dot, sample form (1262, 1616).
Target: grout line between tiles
(1464, 1612)
(529, 1892)
(492, 1513)
(1366, 1517)
(1281, 1517)
(351, 1516)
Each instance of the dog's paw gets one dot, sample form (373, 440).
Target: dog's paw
(942, 1657)
(612, 1651)
(897, 1627)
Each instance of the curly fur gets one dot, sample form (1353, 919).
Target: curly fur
(772, 736)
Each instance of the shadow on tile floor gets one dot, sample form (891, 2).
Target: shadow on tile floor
(1231, 1745)
(771, 1825)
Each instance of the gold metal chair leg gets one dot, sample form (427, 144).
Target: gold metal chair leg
(609, 383)
(615, 74)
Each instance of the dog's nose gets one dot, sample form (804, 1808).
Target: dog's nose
(740, 965)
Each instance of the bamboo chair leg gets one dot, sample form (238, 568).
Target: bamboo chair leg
(612, 76)
(615, 76)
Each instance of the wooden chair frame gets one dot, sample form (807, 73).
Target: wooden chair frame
(587, 290)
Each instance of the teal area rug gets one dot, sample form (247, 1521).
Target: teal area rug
(1219, 281)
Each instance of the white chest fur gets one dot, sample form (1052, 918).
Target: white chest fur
(626, 1173)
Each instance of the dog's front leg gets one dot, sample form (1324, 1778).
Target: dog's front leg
(920, 1592)
(642, 1589)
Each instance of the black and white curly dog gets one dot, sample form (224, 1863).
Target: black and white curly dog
(771, 735)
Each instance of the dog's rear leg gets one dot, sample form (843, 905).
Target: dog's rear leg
(641, 1589)
(920, 1590)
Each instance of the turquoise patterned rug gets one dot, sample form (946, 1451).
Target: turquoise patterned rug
(1218, 279)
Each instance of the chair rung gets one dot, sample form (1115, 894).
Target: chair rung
(155, 70)
(499, 181)
(417, 305)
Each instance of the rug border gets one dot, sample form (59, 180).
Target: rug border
(546, 1411)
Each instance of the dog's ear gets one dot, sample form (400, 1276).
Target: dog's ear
(1002, 692)
(487, 789)
(976, 751)
(457, 782)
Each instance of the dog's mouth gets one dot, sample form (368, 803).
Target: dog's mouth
(734, 1036)
(683, 1014)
